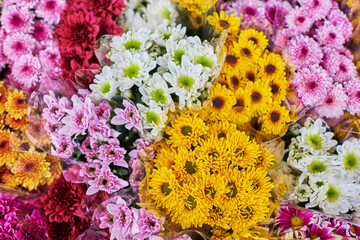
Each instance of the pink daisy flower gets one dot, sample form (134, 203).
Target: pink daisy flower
(17, 19)
(299, 21)
(63, 144)
(26, 70)
(291, 218)
(316, 232)
(341, 22)
(304, 51)
(312, 84)
(345, 70)
(334, 104)
(18, 44)
(148, 224)
(89, 147)
(329, 36)
(106, 181)
(50, 10)
(128, 116)
(103, 110)
(353, 91)
(41, 31)
(317, 8)
(345, 52)
(90, 170)
(111, 153)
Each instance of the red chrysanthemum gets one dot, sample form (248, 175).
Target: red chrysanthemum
(59, 231)
(64, 200)
(79, 225)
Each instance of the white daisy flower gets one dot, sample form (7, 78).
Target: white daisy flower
(159, 10)
(132, 3)
(168, 33)
(133, 68)
(315, 139)
(301, 193)
(152, 117)
(156, 90)
(349, 158)
(174, 53)
(188, 81)
(132, 20)
(105, 84)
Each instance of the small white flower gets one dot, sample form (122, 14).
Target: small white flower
(159, 10)
(152, 117)
(349, 158)
(105, 84)
(133, 68)
(315, 139)
(132, 20)
(174, 53)
(156, 90)
(301, 193)
(168, 33)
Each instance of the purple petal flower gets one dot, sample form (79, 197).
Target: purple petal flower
(304, 51)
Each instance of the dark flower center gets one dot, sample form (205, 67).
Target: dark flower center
(224, 24)
(165, 188)
(3, 144)
(151, 224)
(16, 20)
(233, 190)
(250, 76)
(329, 101)
(186, 130)
(28, 166)
(275, 116)
(190, 167)
(342, 68)
(304, 51)
(230, 59)
(218, 102)
(246, 51)
(191, 203)
(274, 88)
(234, 81)
(312, 85)
(254, 40)
(50, 5)
(358, 94)
(20, 101)
(250, 11)
(270, 68)
(256, 97)
(18, 46)
(239, 103)
(246, 212)
(300, 19)
(104, 181)
(332, 35)
(221, 135)
(26, 68)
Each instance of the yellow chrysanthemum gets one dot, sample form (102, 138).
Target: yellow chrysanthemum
(244, 152)
(196, 6)
(16, 105)
(260, 97)
(241, 112)
(30, 169)
(165, 157)
(220, 129)
(3, 97)
(8, 178)
(278, 89)
(190, 209)
(232, 61)
(222, 100)
(250, 71)
(55, 168)
(257, 182)
(258, 38)
(214, 152)
(266, 159)
(220, 216)
(235, 80)
(247, 51)
(186, 130)
(9, 144)
(16, 124)
(187, 167)
(224, 22)
(273, 66)
(212, 188)
(275, 120)
(163, 188)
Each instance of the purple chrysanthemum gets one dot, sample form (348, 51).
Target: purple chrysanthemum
(17, 19)
(341, 22)
(318, 8)
(248, 8)
(316, 232)
(8, 206)
(344, 229)
(26, 70)
(293, 218)
(329, 36)
(35, 228)
(50, 10)
(304, 51)
(299, 21)
(275, 12)
(18, 44)
(312, 84)
(334, 104)
(353, 91)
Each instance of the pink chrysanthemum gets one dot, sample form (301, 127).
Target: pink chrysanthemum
(17, 19)
(275, 12)
(290, 218)
(331, 58)
(26, 70)
(341, 22)
(318, 8)
(298, 20)
(25, 3)
(18, 44)
(50, 59)
(248, 8)
(103, 110)
(316, 232)
(334, 104)
(329, 36)
(3, 58)
(63, 145)
(111, 153)
(304, 51)
(41, 31)
(312, 84)
(345, 70)
(148, 224)
(346, 52)
(353, 91)
(90, 170)
(50, 10)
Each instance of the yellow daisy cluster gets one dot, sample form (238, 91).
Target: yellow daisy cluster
(252, 84)
(20, 163)
(209, 173)
(196, 6)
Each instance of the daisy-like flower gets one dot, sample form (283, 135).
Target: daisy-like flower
(301, 193)
(293, 218)
(304, 51)
(279, 89)
(334, 104)
(222, 100)
(133, 69)
(105, 84)
(50, 60)
(30, 169)
(168, 33)
(17, 44)
(349, 157)
(345, 70)
(157, 90)
(186, 81)
(299, 20)
(128, 116)
(50, 10)
(63, 145)
(160, 11)
(275, 120)
(316, 232)
(247, 51)
(106, 181)
(147, 222)
(112, 153)
(17, 19)
(260, 97)
(353, 91)
(224, 22)
(26, 70)
(317, 9)
(241, 111)
(16, 104)
(152, 117)
(9, 143)
(276, 12)
(328, 35)
(249, 8)
(174, 53)
(258, 38)
(312, 84)
(341, 22)
(273, 66)
(315, 138)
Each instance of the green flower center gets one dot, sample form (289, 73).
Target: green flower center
(166, 36)
(313, 236)
(333, 193)
(190, 167)
(153, 117)
(105, 88)
(132, 44)
(166, 13)
(319, 184)
(296, 221)
(159, 95)
(204, 61)
(132, 71)
(190, 203)
(186, 130)
(302, 192)
(104, 181)
(91, 169)
(186, 82)
(165, 188)
(351, 161)
(178, 55)
(316, 166)
(314, 141)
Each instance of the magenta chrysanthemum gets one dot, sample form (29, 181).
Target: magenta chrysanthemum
(292, 218)
(25, 3)
(18, 44)
(312, 84)
(17, 19)
(298, 20)
(248, 8)
(329, 36)
(41, 31)
(334, 103)
(50, 10)
(26, 70)
(316, 232)
(318, 8)
(3, 58)
(341, 22)
(345, 70)
(353, 91)
(304, 51)
(275, 12)
(50, 59)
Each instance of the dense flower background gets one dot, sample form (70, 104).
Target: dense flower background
(179, 119)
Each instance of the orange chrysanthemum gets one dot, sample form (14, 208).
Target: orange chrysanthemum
(9, 144)
(16, 105)
(16, 124)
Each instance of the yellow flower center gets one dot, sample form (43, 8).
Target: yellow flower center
(296, 221)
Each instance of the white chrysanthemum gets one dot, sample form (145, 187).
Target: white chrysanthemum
(349, 158)
(105, 84)
(133, 68)
(174, 53)
(188, 81)
(132, 20)
(315, 139)
(159, 10)
(168, 33)
(152, 117)
(133, 4)
(301, 193)
(135, 40)
(156, 90)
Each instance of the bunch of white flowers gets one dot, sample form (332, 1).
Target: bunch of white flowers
(330, 173)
